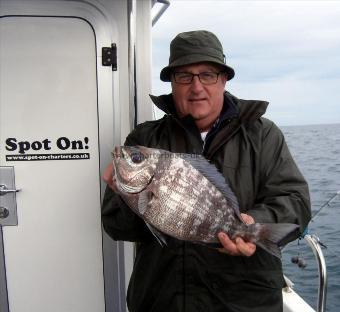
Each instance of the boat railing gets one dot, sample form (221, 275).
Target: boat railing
(314, 242)
(297, 303)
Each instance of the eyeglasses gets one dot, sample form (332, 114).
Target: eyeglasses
(206, 78)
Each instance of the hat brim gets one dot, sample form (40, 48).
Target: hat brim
(165, 74)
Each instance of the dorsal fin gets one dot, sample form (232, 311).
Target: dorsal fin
(213, 175)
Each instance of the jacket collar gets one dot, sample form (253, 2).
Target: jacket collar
(245, 110)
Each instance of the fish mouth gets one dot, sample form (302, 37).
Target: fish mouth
(117, 152)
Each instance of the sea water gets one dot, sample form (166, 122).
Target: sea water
(316, 150)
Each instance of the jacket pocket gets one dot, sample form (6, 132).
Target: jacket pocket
(252, 291)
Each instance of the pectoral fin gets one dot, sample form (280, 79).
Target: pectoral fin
(144, 199)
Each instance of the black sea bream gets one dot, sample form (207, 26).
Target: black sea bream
(184, 196)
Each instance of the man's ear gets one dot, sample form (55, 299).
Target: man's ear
(224, 78)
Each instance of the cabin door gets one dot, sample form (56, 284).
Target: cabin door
(50, 235)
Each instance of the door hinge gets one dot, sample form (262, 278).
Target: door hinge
(109, 56)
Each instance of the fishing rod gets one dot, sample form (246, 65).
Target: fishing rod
(317, 212)
(298, 260)
(326, 204)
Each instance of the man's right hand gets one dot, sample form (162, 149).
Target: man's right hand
(107, 176)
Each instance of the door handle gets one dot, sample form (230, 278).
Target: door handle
(4, 190)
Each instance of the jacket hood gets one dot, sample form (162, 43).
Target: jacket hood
(248, 110)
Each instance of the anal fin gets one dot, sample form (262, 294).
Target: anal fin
(157, 234)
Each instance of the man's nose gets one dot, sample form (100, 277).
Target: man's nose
(196, 84)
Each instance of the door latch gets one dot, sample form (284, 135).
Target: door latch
(8, 202)
(109, 56)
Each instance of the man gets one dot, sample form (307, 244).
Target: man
(251, 153)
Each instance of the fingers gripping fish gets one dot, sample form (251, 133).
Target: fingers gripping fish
(184, 196)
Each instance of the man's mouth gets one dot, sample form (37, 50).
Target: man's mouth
(197, 100)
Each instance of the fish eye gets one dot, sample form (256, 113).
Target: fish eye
(137, 157)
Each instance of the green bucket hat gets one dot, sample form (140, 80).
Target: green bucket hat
(195, 47)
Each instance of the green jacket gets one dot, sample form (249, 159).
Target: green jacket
(252, 154)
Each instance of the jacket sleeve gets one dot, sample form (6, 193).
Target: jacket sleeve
(283, 195)
(119, 221)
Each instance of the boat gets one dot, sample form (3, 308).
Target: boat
(72, 73)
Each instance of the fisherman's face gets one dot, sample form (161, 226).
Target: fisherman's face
(203, 102)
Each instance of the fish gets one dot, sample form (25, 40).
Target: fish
(185, 196)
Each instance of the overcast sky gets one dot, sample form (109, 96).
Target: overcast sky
(285, 52)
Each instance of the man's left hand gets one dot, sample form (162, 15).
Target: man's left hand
(238, 247)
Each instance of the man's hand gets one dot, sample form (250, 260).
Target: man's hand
(238, 247)
(108, 177)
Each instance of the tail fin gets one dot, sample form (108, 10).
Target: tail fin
(271, 234)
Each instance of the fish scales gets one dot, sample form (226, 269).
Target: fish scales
(180, 192)
(171, 192)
